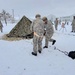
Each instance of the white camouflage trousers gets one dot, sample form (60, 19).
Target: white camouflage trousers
(37, 44)
(48, 38)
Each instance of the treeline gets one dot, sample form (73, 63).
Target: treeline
(5, 16)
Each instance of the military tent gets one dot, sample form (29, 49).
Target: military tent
(22, 29)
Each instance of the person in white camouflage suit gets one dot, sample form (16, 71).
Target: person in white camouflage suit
(1, 27)
(49, 31)
(56, 24)
(37, 27)
(73, 24)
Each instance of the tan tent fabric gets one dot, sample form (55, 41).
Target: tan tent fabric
(22, 29)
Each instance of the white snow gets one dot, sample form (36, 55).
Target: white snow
(16, 57)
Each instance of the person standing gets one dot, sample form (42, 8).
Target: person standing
(49, 31)
(73, 24)
(1, 27)
(37, 27)
(56, 23)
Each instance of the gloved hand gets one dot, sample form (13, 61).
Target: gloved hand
(41, 37)
(44, 32)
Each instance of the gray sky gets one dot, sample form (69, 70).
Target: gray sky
(30, 8)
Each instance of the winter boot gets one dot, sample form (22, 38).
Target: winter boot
(35, 54)
(45, 47)
(39, 51)
(53, 42)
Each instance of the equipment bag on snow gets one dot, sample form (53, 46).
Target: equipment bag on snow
(72, 54)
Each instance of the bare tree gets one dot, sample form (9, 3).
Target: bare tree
(13, 16)
(4, 16)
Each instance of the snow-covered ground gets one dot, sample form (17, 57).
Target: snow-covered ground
(16, 57)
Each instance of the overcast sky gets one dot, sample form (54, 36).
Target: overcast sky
(30, 8)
